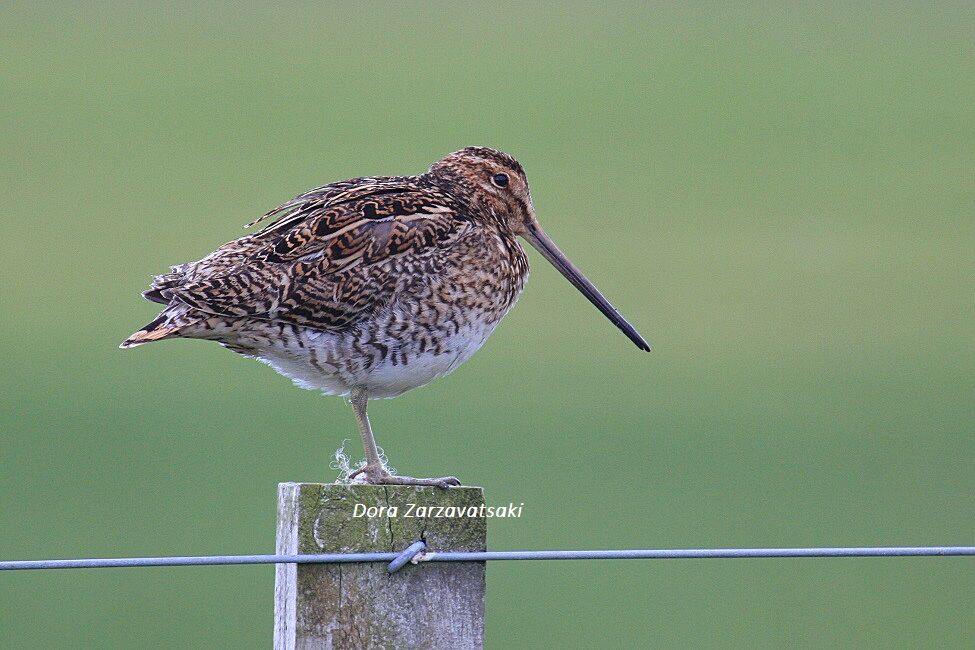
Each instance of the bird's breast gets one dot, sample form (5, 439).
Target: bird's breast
(437, 322)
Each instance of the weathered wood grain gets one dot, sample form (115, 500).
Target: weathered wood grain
(432, 605)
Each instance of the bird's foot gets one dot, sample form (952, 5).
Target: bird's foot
(380, 476)
(442, 482)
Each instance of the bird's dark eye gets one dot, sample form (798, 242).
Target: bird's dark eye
(501, 180)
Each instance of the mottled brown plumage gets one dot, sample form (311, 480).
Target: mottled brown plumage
(373, 286)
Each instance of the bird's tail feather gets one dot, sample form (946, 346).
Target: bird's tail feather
(163, 327)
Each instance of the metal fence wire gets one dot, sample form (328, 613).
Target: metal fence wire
(417, 553)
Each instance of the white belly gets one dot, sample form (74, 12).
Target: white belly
(389, 380)
(334, 363)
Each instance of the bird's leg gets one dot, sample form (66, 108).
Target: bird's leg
(374, 471)
(359, 398)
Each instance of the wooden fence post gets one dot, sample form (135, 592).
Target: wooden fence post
(430, 605)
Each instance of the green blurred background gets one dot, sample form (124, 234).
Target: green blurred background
(782, 199)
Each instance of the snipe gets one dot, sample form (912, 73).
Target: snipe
(372, 286)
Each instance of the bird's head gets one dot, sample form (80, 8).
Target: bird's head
(497, 184)
(491, 179)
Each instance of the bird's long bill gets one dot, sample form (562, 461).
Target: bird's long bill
(544, 245)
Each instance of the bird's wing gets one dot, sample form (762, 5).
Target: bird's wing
(326, 259)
